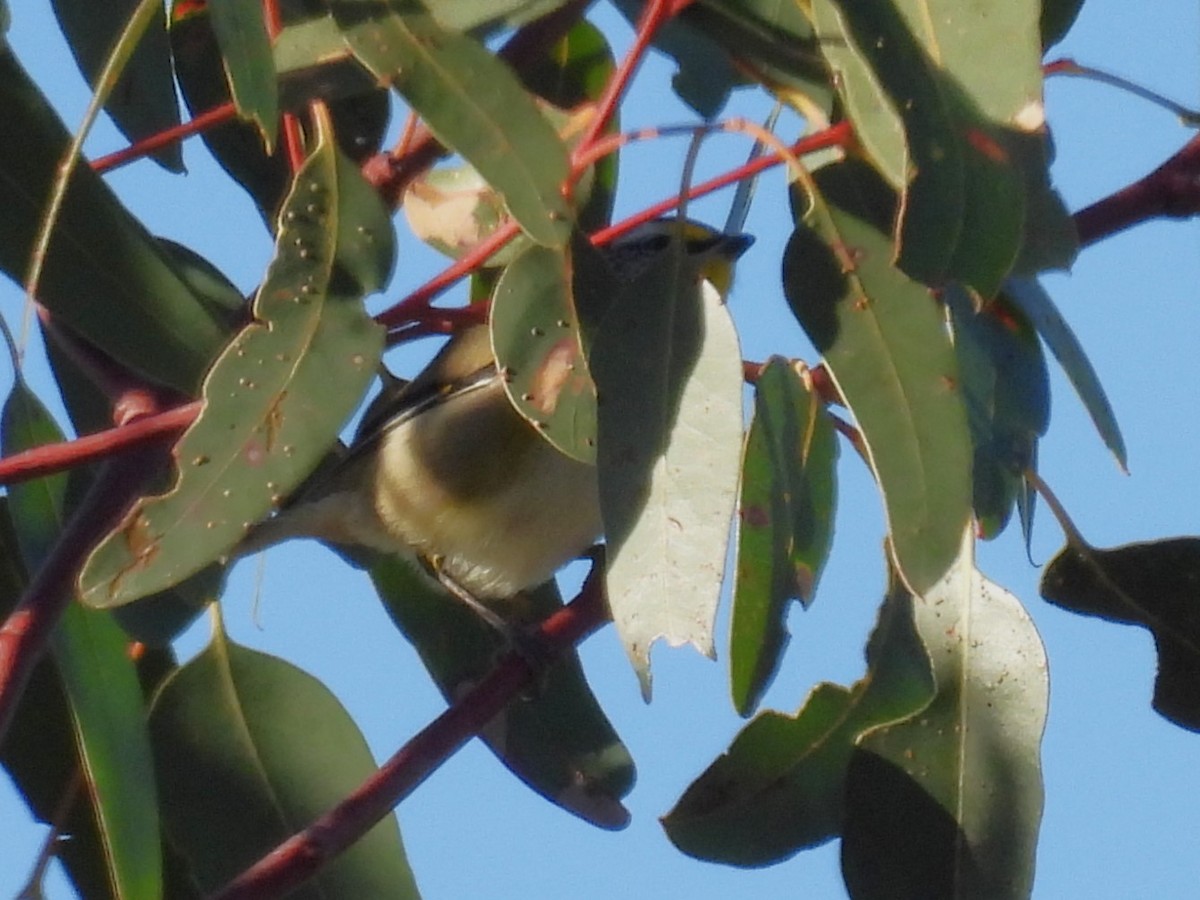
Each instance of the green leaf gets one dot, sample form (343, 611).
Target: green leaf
(105, 277)
(557, 739)
(877, 124)
(278, 395)
(715, 42)
(39, 750)
(669, 444)
(312, 62)
(1050, 238)
(98, 677)
(1155, 585)
(966, 81)
(472, 102)
(569, 74)
(1007, 391)
(535, 333)
(884, 342)
(1057, 18)
(143, 102)
(241, 32)
(947, 802)
(785, 524)
(282, 750)
(1033, 300)
(488, 15)
(779, 788)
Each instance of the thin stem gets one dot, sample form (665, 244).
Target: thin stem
(1070, 67)
(1074, 536)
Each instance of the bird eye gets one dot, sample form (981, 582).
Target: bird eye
(658, 242)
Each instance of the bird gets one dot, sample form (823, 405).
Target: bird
(444, 469)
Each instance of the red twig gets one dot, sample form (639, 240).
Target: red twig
(1172, 190)
(26, 632)
(299, 857)
(416, 305)
(834, 136)
(50, 458)
(209, 119)
(655, 14)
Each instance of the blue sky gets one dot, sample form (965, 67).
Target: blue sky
(1121, 783)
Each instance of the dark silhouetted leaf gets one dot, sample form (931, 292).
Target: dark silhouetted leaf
(1007, 391)
(97, 676)
(249, 749)
(105, 276)
(1050, 324)
(1155, 585)
(143, 102)
(557, 740)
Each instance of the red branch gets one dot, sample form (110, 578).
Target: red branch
(210, 119)
(299, 857)
(655, 14)
(1172, 190)
(26, 632)
(51, 458)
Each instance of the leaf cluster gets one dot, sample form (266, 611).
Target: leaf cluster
(911, 268)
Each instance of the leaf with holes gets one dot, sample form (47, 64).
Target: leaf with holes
(279, 394)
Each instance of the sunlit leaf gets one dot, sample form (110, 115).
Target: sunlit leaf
(278, 395)
(557, 739)
(282, 750)
(785, 524)
(668, 375)
(947, 802)
(877, 124)
(885, 345)
(966, 82)
(1155, 585)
